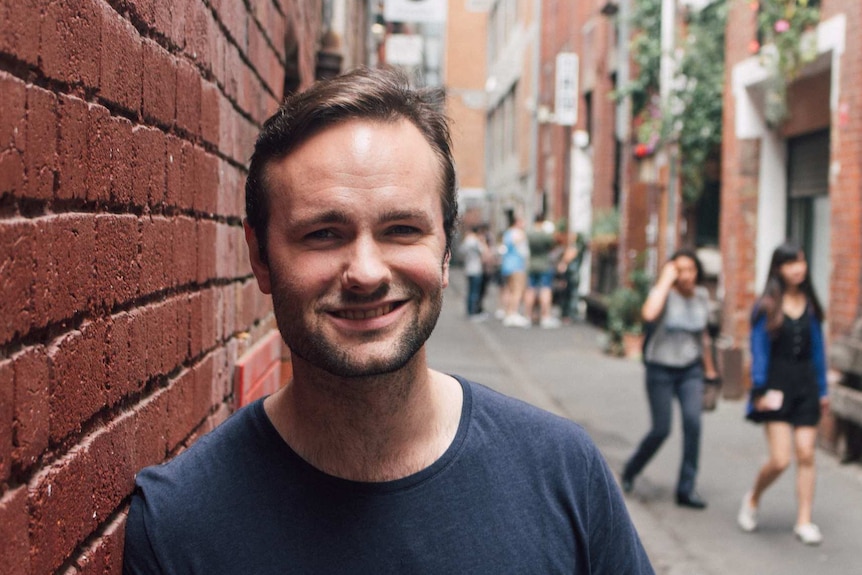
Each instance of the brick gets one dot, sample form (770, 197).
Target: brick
(231, 191)
(15, 551)
(13, 112)
(178, 22)
(177, 178)
(111, 451)
(207, 254)
(117, 268)
(156, 255)
(16, 34)
(7, 402)
(207, 188)
(188, 98)
(159, 84)
(16, 245)
(61, 502)
(32, 406)
(228, 121)
(73, 148)
(154, 13)
(127, 348)
(210, 112)
(199, 26)
(185, 248)
(121, 160)
(99, 154)
(71, 41)
(164, 337)
(121, 62)
(41, 141)
(64, 249)
(151, 422)
(189, 177)
(185, 412)
(78, 377)
(104, 555)
(11, 173)
(256, 367)
(149, 166)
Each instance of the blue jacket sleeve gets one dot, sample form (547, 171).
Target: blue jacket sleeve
(818, 355)
(761, 347)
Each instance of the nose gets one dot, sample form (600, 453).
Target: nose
(365, 269)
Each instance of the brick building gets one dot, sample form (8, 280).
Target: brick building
(801, 178)
(128, 301)
(464, 79)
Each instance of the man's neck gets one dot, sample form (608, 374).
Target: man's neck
(373, 429)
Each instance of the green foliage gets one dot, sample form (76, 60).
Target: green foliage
(693, 115)
(701, 96)
(782, 24)
(606, 223)
(625, 303)
(624, 312)
(646, 53)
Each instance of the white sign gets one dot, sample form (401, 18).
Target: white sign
(404, 49)
(566, 89)
(415, 10)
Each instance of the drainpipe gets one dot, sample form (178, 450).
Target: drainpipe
(532, 177)
(666, 76)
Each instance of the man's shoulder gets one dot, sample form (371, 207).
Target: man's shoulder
(525, 424)
(212, 454)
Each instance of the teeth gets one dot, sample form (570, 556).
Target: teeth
(366, 314)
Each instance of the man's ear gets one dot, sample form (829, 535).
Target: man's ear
(446, 260)
(258, 265)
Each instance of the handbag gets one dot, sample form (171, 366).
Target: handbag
(711, 390)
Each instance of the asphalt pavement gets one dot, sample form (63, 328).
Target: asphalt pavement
(566, 371)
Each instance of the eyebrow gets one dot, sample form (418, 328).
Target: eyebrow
(342, 218)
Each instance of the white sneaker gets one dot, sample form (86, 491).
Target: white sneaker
(808, 534)
(747, 517)
(549, 323)
(516, 320)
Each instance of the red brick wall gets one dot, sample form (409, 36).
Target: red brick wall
(740, 178)
(125, 128)
(739, 169)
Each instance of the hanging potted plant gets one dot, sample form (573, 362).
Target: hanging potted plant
(782, 24)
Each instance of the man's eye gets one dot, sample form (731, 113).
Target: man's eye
(320, 235)
(403, 230)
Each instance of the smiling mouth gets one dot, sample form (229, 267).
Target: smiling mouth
(366, 313)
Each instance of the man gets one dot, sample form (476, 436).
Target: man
(540, 272)
(368, 461)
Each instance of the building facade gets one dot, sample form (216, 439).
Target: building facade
(797, 178)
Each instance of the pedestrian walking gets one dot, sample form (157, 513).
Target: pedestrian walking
(677, 357)
(789, 392)
(513, 270)
(474, 251)
(368, 461)
(569, 272)
(540, 273)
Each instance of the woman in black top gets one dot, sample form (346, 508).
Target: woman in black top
(788, 374)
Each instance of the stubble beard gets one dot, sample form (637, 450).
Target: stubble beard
(312, 345)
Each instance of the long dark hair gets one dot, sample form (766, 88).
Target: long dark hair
(770, 302)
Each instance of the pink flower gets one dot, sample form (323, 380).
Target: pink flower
(782, 26)
(754, 46)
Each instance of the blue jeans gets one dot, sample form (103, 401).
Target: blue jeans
(474, 294)
(662, 384)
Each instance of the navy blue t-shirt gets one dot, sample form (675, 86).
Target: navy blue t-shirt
(519, 491)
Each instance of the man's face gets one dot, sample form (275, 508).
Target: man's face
(355, 247)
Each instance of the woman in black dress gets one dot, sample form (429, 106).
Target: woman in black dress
(788, 374)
